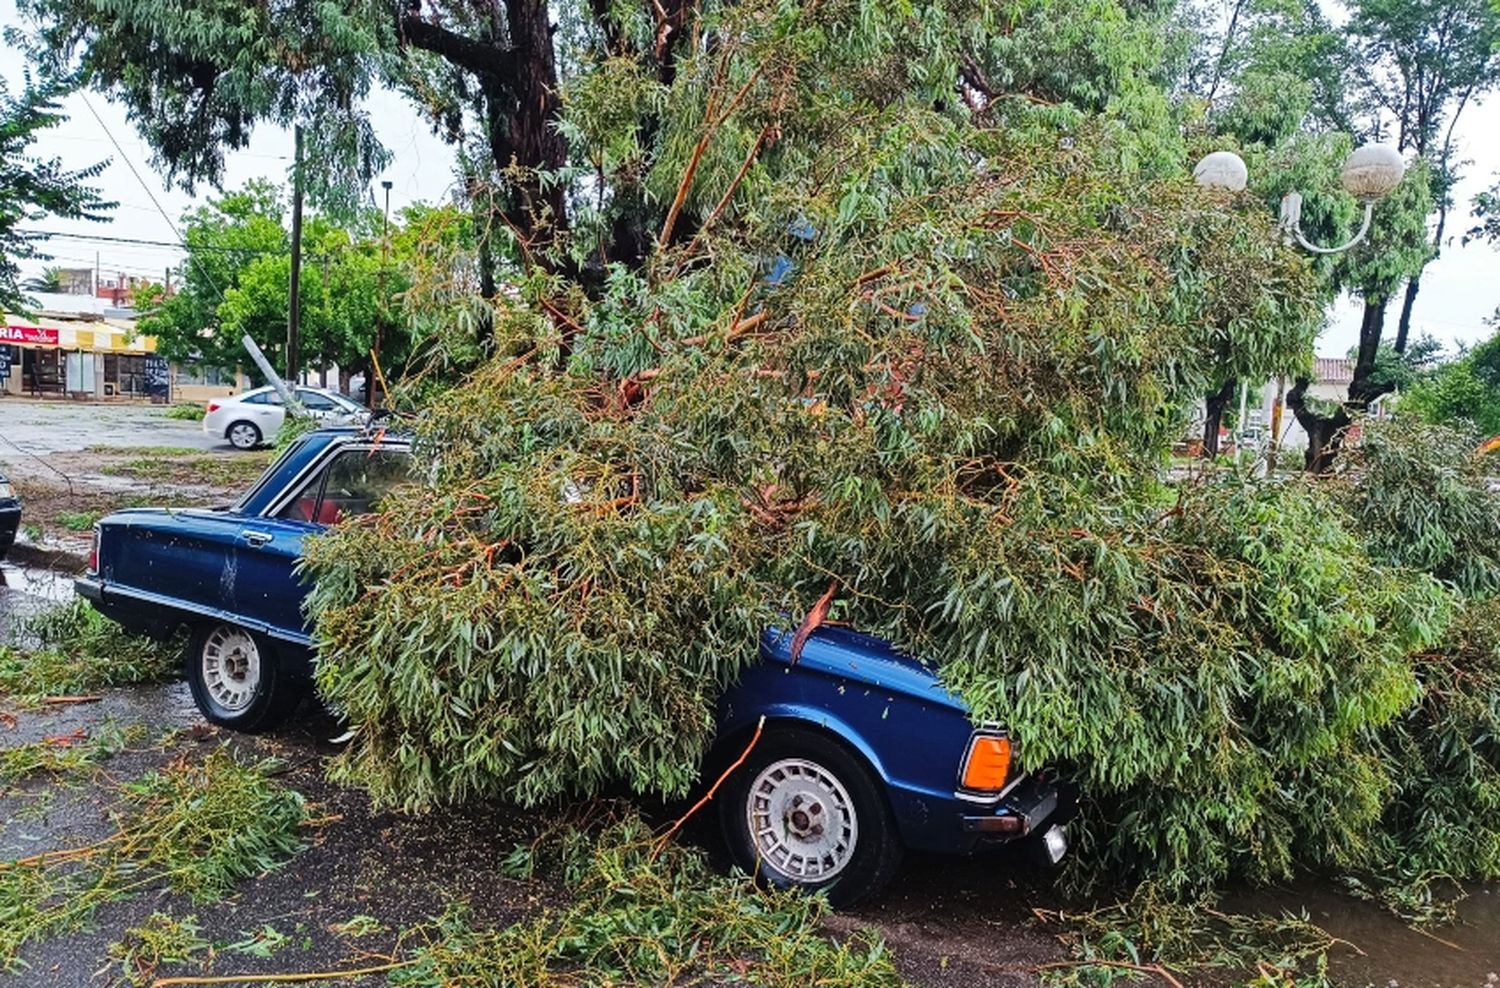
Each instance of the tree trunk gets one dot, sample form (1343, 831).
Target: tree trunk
(1325, 433)
(1414, 283)
(1213, 406)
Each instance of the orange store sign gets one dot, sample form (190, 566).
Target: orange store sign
(28, 334)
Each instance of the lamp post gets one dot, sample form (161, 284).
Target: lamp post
(1370, 173)
(385, 253)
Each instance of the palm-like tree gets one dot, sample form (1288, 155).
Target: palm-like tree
(50, 280)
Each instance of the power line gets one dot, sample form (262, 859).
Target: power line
(155, 243)
(149, 194)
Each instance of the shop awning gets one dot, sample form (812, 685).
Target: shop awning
(99, 336)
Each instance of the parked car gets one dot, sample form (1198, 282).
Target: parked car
(10, 515)
(250, 419)
(863, 753)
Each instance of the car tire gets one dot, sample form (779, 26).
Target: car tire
(806, 812)
(237, 679)
(244, 435)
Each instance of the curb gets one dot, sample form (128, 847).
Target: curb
(53, 559)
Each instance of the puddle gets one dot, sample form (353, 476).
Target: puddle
(1462, 955)
(49, 585)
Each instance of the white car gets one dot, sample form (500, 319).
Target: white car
(252, 418)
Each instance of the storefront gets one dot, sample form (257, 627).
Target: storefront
(100, 358)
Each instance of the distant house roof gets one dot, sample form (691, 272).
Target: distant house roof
(1333, 370)
(58, 303)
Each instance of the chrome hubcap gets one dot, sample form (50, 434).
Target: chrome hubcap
(231, 668)
(242, 435)
(802, 820)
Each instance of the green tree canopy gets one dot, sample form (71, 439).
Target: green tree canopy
(32, 188)
(237, 276)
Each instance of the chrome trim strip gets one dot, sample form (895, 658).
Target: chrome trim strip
(108, 590)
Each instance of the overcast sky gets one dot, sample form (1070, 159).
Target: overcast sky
(1459, 290)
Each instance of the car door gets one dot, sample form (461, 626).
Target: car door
(266, 410)
(268, 588)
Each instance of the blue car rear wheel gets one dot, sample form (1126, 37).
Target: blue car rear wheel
(237, 680)
(805, 812)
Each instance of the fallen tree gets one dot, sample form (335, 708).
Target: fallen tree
(929, 367)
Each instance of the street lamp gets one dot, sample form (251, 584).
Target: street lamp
(385, 252)
(1370, 173)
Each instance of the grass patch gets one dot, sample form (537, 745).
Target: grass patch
(77, 521)
(193, 468)
(1153, 933)
(197, 827)
(145, 450)
(186, 413)
(73, 649)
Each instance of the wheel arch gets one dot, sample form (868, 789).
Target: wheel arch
(736, 740)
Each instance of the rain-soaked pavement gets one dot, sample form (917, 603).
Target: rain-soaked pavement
(965, 923)
(36, 428)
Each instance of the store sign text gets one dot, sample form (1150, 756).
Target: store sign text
(28, 334)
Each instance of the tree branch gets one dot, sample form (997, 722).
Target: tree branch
(466, 53)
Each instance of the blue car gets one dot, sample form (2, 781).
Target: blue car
(863, 753)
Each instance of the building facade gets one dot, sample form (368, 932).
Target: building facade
(81, 348)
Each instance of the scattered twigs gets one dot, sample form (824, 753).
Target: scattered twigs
(64, 701)
(235, 979)
(1155, 969)
(661, 842)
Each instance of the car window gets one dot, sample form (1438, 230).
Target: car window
(316, 402)
(264, 398)
(353, 484)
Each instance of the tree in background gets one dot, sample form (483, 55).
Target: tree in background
(1286, 86)
(1461, 391)
(50, 280)
(237, 274)
(31, 188)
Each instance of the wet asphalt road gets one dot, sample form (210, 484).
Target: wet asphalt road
(36, 428)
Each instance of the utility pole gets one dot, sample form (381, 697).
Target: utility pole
(294, 300)
(385, 253)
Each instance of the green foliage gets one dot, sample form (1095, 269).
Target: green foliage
(1443, 820)
(197, 827)
(1460, 392)
(198, 77)
(955, 408)
(185, 413)
(64, 756)
(646, 914)
(1420, 498)
(31, 188)
(73, 649)
(77, 521)
(210, 823)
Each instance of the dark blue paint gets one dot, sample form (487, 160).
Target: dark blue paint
(160, 568)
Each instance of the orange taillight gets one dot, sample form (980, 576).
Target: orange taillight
(988, 766)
